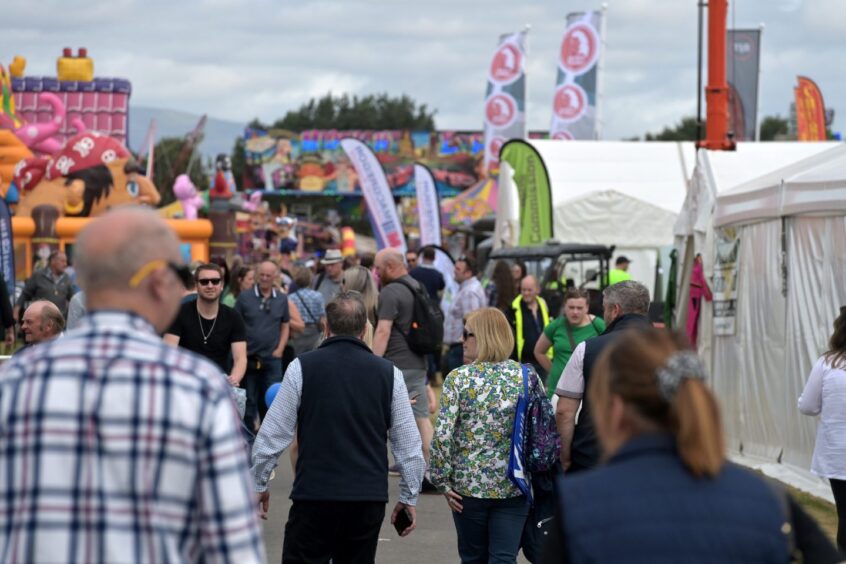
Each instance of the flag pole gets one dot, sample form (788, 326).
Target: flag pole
(600, 73)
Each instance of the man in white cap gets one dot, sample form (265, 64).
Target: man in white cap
(328, 282)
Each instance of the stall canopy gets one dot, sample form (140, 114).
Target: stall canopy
(618, 193)
(783, 203)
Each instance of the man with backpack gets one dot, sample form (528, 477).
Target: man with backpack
(394, 335)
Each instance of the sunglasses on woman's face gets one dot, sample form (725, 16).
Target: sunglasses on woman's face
(468, 334)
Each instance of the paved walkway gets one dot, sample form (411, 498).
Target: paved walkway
(432, 542)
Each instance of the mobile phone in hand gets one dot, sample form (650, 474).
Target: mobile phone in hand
(403, 521)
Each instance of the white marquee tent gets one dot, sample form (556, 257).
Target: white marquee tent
(612, 193)
(786, 202)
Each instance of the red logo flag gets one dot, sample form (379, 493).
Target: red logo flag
(810, 111)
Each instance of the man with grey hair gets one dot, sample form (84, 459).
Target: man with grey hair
(344, 403)
(42, 321)
(141, 454)
(625, 306)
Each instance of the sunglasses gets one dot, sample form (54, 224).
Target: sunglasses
(468, 334)
(207, 281)
(265, 305)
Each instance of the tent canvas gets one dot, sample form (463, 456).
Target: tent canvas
(789, 262)
(613, 193)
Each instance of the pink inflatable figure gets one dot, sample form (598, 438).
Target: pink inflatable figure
(39, 137)
(254, 202)
(186, 193)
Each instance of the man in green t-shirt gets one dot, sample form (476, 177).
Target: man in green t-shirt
(564, 333)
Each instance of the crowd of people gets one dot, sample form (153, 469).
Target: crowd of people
(144, 428)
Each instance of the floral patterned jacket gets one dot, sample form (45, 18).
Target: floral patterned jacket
(473, 431)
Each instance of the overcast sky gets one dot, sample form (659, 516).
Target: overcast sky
(236, 60)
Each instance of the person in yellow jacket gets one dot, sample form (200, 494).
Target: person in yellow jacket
(529, 315)
(620, 272)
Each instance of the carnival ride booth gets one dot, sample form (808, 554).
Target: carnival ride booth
(769, 222)
(619, 194)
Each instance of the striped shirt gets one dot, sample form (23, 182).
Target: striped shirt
(119, 448)
(278, 429)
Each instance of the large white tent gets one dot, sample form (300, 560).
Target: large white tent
(618, 193)
(785, 203)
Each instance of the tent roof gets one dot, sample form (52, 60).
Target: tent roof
(613, 218)
(814, 183)
(654, 172)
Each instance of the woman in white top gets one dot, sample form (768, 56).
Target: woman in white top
(825, 395)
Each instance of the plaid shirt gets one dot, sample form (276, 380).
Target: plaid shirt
(310, 303)
(119, 448)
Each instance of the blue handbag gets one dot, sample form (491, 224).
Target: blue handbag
(517, 472)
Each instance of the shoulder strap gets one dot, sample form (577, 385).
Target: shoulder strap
(303, 302)
(570, 335)
(320, 278)
(525, 370)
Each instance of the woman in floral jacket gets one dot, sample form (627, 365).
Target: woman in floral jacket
(472, 442)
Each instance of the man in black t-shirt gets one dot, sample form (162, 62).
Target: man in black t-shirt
(209, 328)
(428, 275)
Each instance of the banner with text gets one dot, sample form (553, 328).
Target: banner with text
(742, 69)
(7, 249)
(725, 281)
(505, 97)
(428, 206)
(574, 104)
(535, 198)
(810, 111)
(377, 195)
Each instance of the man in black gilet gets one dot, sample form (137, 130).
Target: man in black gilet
(341, 400)
(625, 306)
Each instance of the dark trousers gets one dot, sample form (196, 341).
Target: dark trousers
(454, 357)
(489, 530)
(256, 382)
(343, 531)
(838, 488)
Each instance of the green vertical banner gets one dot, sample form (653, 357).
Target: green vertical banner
(532, 182)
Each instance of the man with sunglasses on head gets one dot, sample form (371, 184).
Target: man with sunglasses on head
(264, 309)
(209, 328)
(117, 446)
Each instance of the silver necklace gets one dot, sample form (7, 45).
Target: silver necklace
(200, 319)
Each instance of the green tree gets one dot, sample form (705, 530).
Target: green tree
(772, 127)
(369, 112)
(171, 160)
(239, 161)
(685, 130)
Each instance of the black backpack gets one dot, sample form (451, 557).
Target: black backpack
(426, 333)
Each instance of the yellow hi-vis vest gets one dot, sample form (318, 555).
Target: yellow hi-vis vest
(518, 318)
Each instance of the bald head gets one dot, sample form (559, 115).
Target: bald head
(112, 248)
(390, 264)
(529, 288)
(41, 322)
(122, 261)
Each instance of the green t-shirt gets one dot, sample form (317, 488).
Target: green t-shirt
(556, 332)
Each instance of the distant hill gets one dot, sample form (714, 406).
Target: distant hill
(219, 135)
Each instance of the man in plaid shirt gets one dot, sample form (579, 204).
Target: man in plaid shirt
(116, 446)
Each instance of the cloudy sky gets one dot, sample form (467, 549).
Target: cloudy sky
(238, 59)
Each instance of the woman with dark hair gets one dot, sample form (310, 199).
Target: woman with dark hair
(518, 272)
(666, 492)
(564, 333)
(242, 279)
(501, 290)
(825, 395)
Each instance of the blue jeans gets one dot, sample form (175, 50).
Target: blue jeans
(256, 382)
(489, 530)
